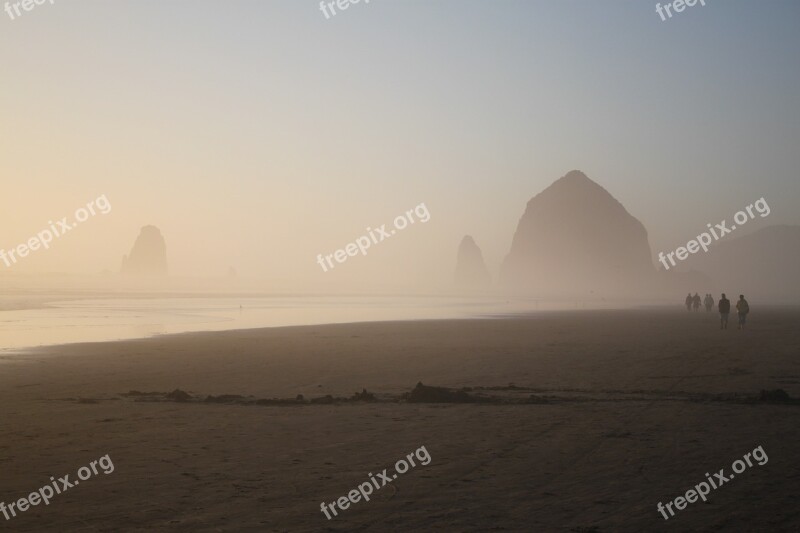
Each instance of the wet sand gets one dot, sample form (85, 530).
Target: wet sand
(638, 406)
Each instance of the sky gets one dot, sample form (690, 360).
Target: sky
(259, 134)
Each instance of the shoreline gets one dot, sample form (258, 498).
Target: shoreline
(17, 351)
(282, 342)
(44, 350)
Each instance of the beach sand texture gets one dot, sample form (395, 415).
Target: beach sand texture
(632, 408)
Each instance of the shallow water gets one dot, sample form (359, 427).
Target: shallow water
(93, 319)
(104, 319)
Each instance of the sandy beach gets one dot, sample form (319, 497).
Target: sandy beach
(632, 408)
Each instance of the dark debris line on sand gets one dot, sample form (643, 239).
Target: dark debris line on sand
(466, 395)
(420, 394)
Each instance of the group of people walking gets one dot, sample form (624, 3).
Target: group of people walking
(693, 302)
(724, 307)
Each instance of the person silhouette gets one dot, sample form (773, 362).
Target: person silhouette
(696, 301)
(689, 301)
(724, 307)
(709, 301)
(743, 308)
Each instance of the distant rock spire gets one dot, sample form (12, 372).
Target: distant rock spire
(470, 268)
(148, 256)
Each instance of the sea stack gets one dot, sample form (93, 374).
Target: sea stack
(575, 239)
(148, 256)
(470, 268)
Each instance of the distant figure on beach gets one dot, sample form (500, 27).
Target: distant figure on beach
(743, 308)
(709, 302)
(689, 301)
(724, 307)
(696, 301)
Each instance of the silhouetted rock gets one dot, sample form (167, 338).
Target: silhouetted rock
(178, 396)
(575, 239)
(776, 396)
(148, 256)
(225, 398)
(470, 268)
(363, 396)
(424, 394)
(136, 393)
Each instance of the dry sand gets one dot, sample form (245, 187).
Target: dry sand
(632, 418)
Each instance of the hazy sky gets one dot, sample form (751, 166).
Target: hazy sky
(258, 134)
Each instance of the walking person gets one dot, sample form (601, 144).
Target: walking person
(696, 301)
(709, 301)
(743, 308)
(724, 307)
(689, 301)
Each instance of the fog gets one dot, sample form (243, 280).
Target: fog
(255, 152)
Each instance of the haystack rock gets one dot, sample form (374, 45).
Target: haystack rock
(470, 268)
(148, 256)
(576, 240)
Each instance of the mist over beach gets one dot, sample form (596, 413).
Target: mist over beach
(399, 266)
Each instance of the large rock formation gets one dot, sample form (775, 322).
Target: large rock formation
(470, 268)
(575, 239)
(148, 256)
